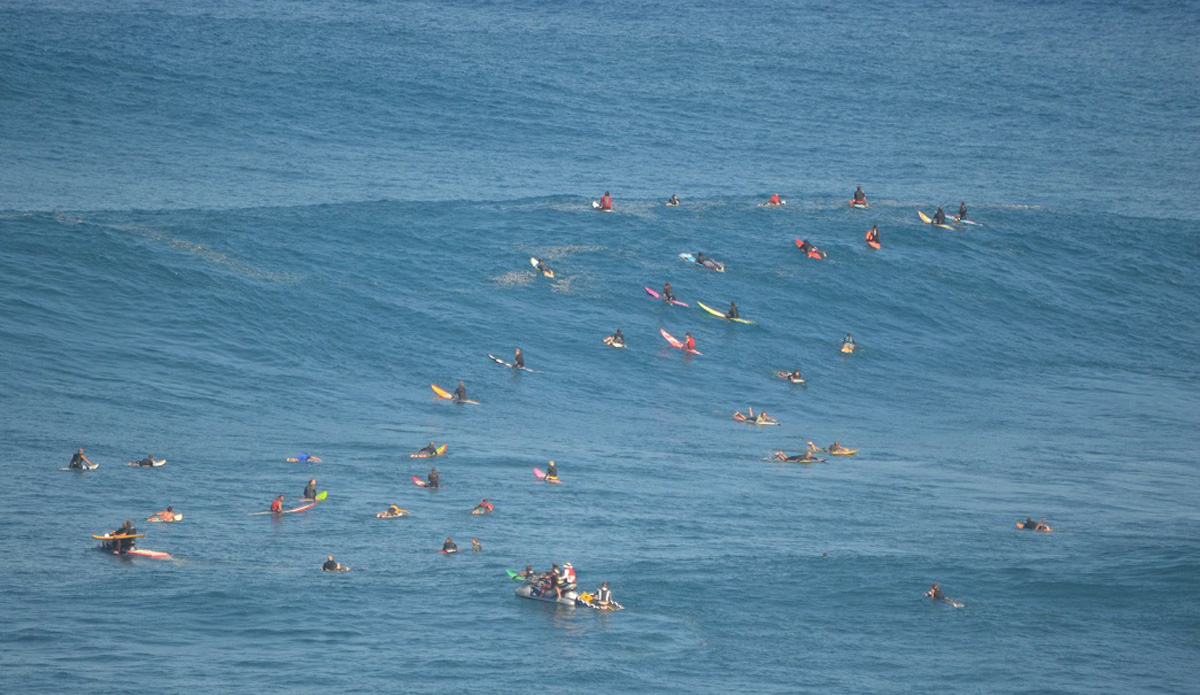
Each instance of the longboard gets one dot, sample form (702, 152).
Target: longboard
(716, 265)
(295, 510)
(539, 474)
(444, 394)
(424, 454)
(120, 537)
(718, 314)
(676, 343)
(928, 220)
(656, 295)
(812, 252)
(92, 467)
(497, 360)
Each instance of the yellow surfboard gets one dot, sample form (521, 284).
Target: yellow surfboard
(441, 392)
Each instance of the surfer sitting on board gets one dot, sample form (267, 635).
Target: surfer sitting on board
(668, 291)
(939, 217)
(123, 545)
(518, 360)
(774, 200)
(673, 201)
(733, 311)
(428, 450)
(604, 596)
(689, 343)
(449, 546)
(962, 211)
(433, 479)
(606, 201)
(551, 472)
(848, 341)
(78, 460)
(310, 490)
(332, 565)
(460, 393)
(616, 339)
(277, 505)
(859, 196)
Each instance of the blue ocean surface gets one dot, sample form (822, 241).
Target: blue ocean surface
(234, 232)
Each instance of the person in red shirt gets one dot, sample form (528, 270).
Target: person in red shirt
(277, 505)
(689, 342)
(774, 200)
(606, 201)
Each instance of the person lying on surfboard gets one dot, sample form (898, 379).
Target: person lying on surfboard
(806, 456)
(939, 217)
(460, 393)
(1031, 525)
(673, 201)
(393, 510)
(485, 507)
(147, 462)
(859, 196)
(304, 458)
(433, 479)
(793, 376)
(166, 515)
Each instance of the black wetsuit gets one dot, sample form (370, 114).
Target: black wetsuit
(939, 217)
(460, 393)
(618, 338)
(733, 312)
(668, 293)
(552, 473)
(936, 594)
(76, 460)
(859, 196)
(434, 478)
(124, 545)
(329, 566)
(805, 246)
(962, 212)
(519, 361)
(449, 547)
(310, 491)
(431, 449)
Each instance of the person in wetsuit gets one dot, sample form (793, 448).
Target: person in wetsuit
(551, 472)
(795, 377)
(120, 546)
(700, 258)
(848, 340)
(429, 449)
(962, 211)
(733, 311)
(859, 196)
(935, 592)
(433, 479)
(518, 360)
(78, 460)
(555, 580)
(939, 217)
(460, 393)
(148, 461)
(310, 490)
(332, 565)
(873, 234)
(668, 292)
(618, 338)
(449, 546)
(673, 201)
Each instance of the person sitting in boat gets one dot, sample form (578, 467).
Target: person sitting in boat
(433, 479)
(332, 565)
(673, 201)
(518, 360)
(551, 472)
(606, 201)
(277, 505)
(392, 510)
(78, 460)
(449, 546)
(476, 547)
(485, 507)
(775, 200)
(603, 596)
(859, 196)
(733, 311)
(304, 458)
(166, 515)
(429, 449)
(460, 393)
(669, 292)
(939, 217)
(310, 490)
(962, 211)
(873, 234)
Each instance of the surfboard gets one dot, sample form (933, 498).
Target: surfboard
(717, 265)
(424, 454)
(86, 467)
(861, 205)
(543, 269)
(510, 365)
(119, 537)
(541, 475)
(295, 510)
(973, 222)
(847, 348)
(842, 452)
(443, 393)
(152, 554)
(874, 244)
(718, 314)
(656, 295)
(419, 483)
(675, 342)
(813, 252)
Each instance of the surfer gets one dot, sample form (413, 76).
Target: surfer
(873, 234)
(859, 196)
(310, 490)
(795, 377)
(392, 510)
(476, 547)
(764, 419)
(606, 201)
(616, 339)
(673, 201)
(962, 212)
(806, 456)
(78, 460)
(1031, 525)
(551, 472)
(668, 291)
(449, 546)
(700, 259)
(277, 505)
(603, 596)
(935, 593)
(428, 450)
(848, 342)
(836, 447)
(774, 200)
(484, 507)
(460, 393)
(518, 360)
(167, 515)
(148, 461)
(433, 479)
(120, 546)
(939, 217)
(813, 447)
(332, 565)
(304, 458)
(733, 311)
(689, 343)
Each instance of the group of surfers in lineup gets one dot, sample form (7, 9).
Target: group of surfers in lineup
(123, 539)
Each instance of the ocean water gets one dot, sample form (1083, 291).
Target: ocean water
(232, 232)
